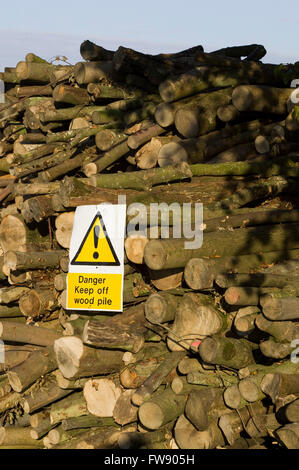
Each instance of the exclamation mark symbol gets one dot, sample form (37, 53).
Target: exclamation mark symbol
(96, 236)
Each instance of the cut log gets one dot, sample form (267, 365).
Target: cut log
(19, 437)
(41, 424)
(200, 273)
(196, 318)
(161, 307)
(17, 260)
(250, 388)
(76, 360)
(16, 332)
(263, 99)
(70, 95)
(280, 330)
(233, 398)
(229, 352)
(161, 408)
(108, 138)
(15, 235)
(144, 135)
(37, 303)
(245, 295)
(101, 396)
(187, 436)
(292, 411)
(86, 421)
(93, 72)
(92, 52)
(25, 374)
(143, 179)
(195, 81)
(166, 254)
(280, 384)
(204, 406)
(199, 116)
(99, 335)
(166, 279)
(71, 406)
(288, 435)
(232, 424)
(228, 113)
(145, 391)
(280, 309)
(124, 412)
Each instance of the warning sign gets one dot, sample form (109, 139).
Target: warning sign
(96, 269)
(96, 248)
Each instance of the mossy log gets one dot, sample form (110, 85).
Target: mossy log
(144, 179)
(166, 254)
(152, 383)
(228, 352)
(98, 335)
(263, 99)
(71, 406)
(200, 273)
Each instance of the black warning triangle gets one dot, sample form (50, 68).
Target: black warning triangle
(96, 248)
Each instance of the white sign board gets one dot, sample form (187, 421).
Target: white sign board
(96, 269)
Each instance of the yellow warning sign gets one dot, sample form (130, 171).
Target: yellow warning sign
(96, 248)
(94, 291)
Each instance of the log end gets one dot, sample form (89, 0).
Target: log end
(151, 415)
(154, 255)
(197, 275)
(68, 352)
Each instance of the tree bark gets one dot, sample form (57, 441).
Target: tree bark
(99, 335)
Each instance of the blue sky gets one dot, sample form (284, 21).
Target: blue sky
(58, 27)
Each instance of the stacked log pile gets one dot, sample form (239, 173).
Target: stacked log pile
(204, 354)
